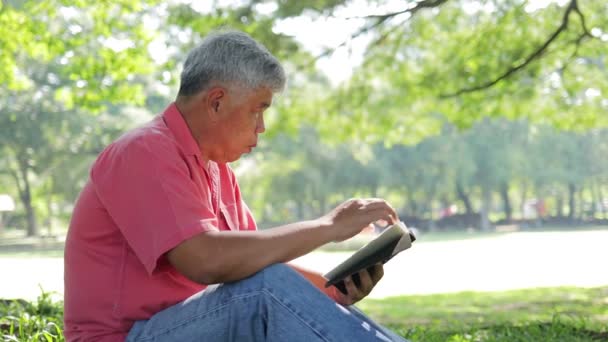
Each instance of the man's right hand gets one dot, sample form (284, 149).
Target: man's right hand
(352, 216)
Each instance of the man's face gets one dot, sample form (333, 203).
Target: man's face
(241, 121)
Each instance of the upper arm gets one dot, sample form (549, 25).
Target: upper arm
(193, 257)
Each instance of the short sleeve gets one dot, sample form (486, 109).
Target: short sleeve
(246, 219)
(149, 190)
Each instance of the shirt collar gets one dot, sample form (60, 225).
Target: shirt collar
(177, 125)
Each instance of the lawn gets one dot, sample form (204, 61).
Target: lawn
(548, 314)
(551, 314)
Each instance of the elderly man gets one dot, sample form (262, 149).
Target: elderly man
(161, 219)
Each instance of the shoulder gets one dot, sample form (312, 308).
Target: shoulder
(152, 141)
(154, 135)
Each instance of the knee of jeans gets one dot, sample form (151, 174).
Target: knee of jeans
(277, 274)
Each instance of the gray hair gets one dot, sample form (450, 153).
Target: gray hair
(230, 58)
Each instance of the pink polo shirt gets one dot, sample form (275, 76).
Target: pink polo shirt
(148, 191)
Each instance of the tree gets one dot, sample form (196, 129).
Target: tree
(459, 60)
(54, 86)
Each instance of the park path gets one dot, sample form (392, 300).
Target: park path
(510, 261)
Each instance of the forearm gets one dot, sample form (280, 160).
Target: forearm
(217, 257)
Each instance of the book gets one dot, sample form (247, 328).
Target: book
(392, 241)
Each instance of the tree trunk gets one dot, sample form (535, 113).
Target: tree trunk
(432, 223)
(504, 194)
(594, 201)
(300, 210)
(50, 214)
(559, 207)
(581, 206)
(522, 202)
(464, 197)
(25, 194)
(412, 204)
(322, 206)
(601, 201)
(374, 190)
(486, 203)
(571, 202)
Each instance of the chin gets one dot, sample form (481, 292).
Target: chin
(234, 158)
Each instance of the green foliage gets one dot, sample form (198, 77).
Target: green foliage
(39, 321)
(295, 8)
(245, 18)
(418, 68)
(61, 37)
(66, 63)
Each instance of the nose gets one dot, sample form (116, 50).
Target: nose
(260, 127)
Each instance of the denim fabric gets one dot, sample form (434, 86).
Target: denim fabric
(276, 304)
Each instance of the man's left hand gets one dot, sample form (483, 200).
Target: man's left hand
(358, 290)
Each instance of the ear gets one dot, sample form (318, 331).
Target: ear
(214, 101)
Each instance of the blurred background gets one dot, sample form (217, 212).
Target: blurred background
(476, 119)
(464, 114)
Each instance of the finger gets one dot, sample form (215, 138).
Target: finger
(339, 296)
(381, 223)
(381, 213)
(353, 294)
(374, 200)
(367, 283)
(377, 272)
(382, 205)
(376, 204)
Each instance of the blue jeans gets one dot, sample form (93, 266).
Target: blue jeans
(276, 304)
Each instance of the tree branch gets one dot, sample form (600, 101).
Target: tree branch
(378, 20)
(572, 7)
(583, 23)
(577, 44)
(382, 37)
(412, 10)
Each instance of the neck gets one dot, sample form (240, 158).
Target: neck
(199, 125)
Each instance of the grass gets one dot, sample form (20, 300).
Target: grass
(550, 314)
(31, 253)
(25, 321)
